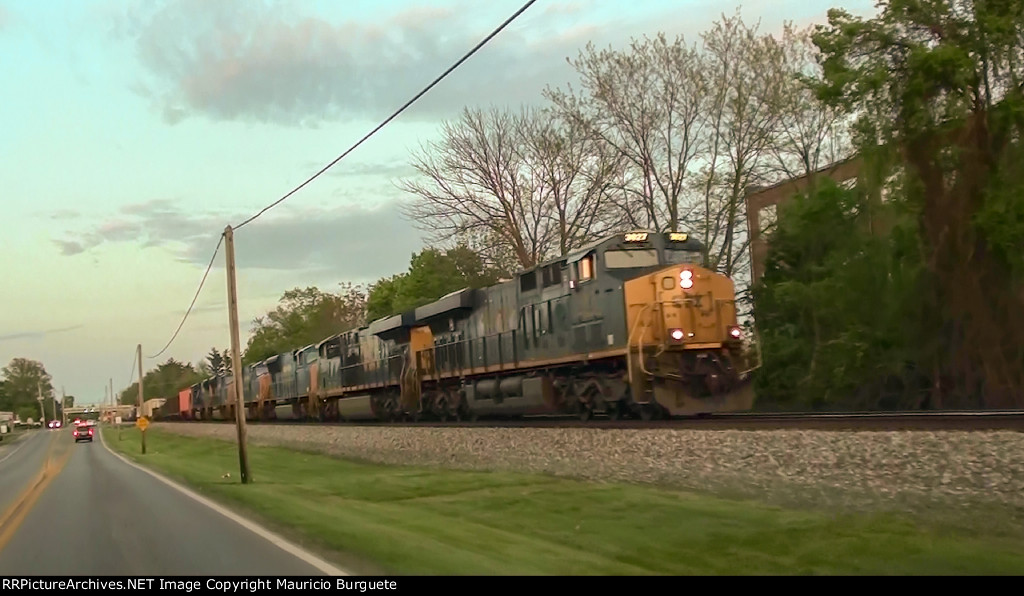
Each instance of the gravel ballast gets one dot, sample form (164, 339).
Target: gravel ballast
(839, 471)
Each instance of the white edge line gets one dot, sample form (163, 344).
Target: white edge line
(273, 538)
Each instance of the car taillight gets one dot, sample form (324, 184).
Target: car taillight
(686, 279)
(75, 433)
(90, 432)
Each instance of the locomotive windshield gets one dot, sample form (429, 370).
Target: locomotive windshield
(625, 259)
(679, 256)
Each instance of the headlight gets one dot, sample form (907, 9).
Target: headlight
(686, 279)
(677, 334)
(735, 332)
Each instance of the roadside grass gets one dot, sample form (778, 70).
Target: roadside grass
(411, 520)
(15, 434)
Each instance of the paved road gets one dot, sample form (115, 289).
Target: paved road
(94, 514)
(20, 461)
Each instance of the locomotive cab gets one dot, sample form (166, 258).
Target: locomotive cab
(685, 340)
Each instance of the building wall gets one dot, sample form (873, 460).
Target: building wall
(762, 206)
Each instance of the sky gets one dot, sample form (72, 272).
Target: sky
(133, 132)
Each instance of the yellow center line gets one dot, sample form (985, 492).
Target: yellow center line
(16, 513)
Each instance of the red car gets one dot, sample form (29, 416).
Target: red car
(83, 433)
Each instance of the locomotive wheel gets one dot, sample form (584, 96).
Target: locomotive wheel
(614, 411)
(585, 412)
(649, 412)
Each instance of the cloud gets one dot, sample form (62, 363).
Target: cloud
(390, 171)
(265, 62)
(38, 334)
(65, 214)
(70, 247)
(351, 242)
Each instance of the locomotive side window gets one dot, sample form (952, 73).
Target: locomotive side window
(586, 268)
(528, 281)
(553, 275)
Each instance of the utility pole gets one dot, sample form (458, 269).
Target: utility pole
(139, 417)
(42, 408)
(236, 354)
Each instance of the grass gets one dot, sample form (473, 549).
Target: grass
(15, 434)
(407, 520)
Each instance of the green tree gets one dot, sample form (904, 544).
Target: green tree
(24, 381)
(432, 274)
(216, 361)
(837, 311)
(165, 381)
(940, 84)
(305, 316)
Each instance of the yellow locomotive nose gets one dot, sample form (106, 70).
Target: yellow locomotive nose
(696, 307)
(685, 341)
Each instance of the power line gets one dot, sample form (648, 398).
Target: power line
(201, 283)
(394, 115)
(131, 377)
(340, 157)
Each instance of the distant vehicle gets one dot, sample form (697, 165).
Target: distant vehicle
(83, 433)
(54, 424)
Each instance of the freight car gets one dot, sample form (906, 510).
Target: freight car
(630, 325)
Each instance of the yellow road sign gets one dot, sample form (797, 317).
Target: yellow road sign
(142, 423)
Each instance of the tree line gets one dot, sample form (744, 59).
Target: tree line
(906, 291)
(22, 383)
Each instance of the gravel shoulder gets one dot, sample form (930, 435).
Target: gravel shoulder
(972, 479)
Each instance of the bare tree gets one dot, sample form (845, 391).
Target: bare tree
(576, 170)
(809, 134)
(645, 103)
(472, 182)
(747, 70)
(520, 183)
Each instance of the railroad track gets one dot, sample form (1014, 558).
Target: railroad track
(854, 421)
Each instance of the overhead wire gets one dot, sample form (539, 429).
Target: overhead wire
(194, 298)
(396, 113)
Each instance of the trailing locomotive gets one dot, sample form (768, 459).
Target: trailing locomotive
(627, 326)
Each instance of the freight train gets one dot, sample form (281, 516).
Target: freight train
(629, 326)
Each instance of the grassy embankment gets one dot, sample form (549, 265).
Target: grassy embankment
(15, 434)
(386, 519)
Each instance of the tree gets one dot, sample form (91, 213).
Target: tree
(645, 105)
(534, 181)
(69, 401)
(305, 316)
(216, 361)
(939, 84)
(809, 133)
(432, 274)
(165, 381)
(837, 307)
(24, 381)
